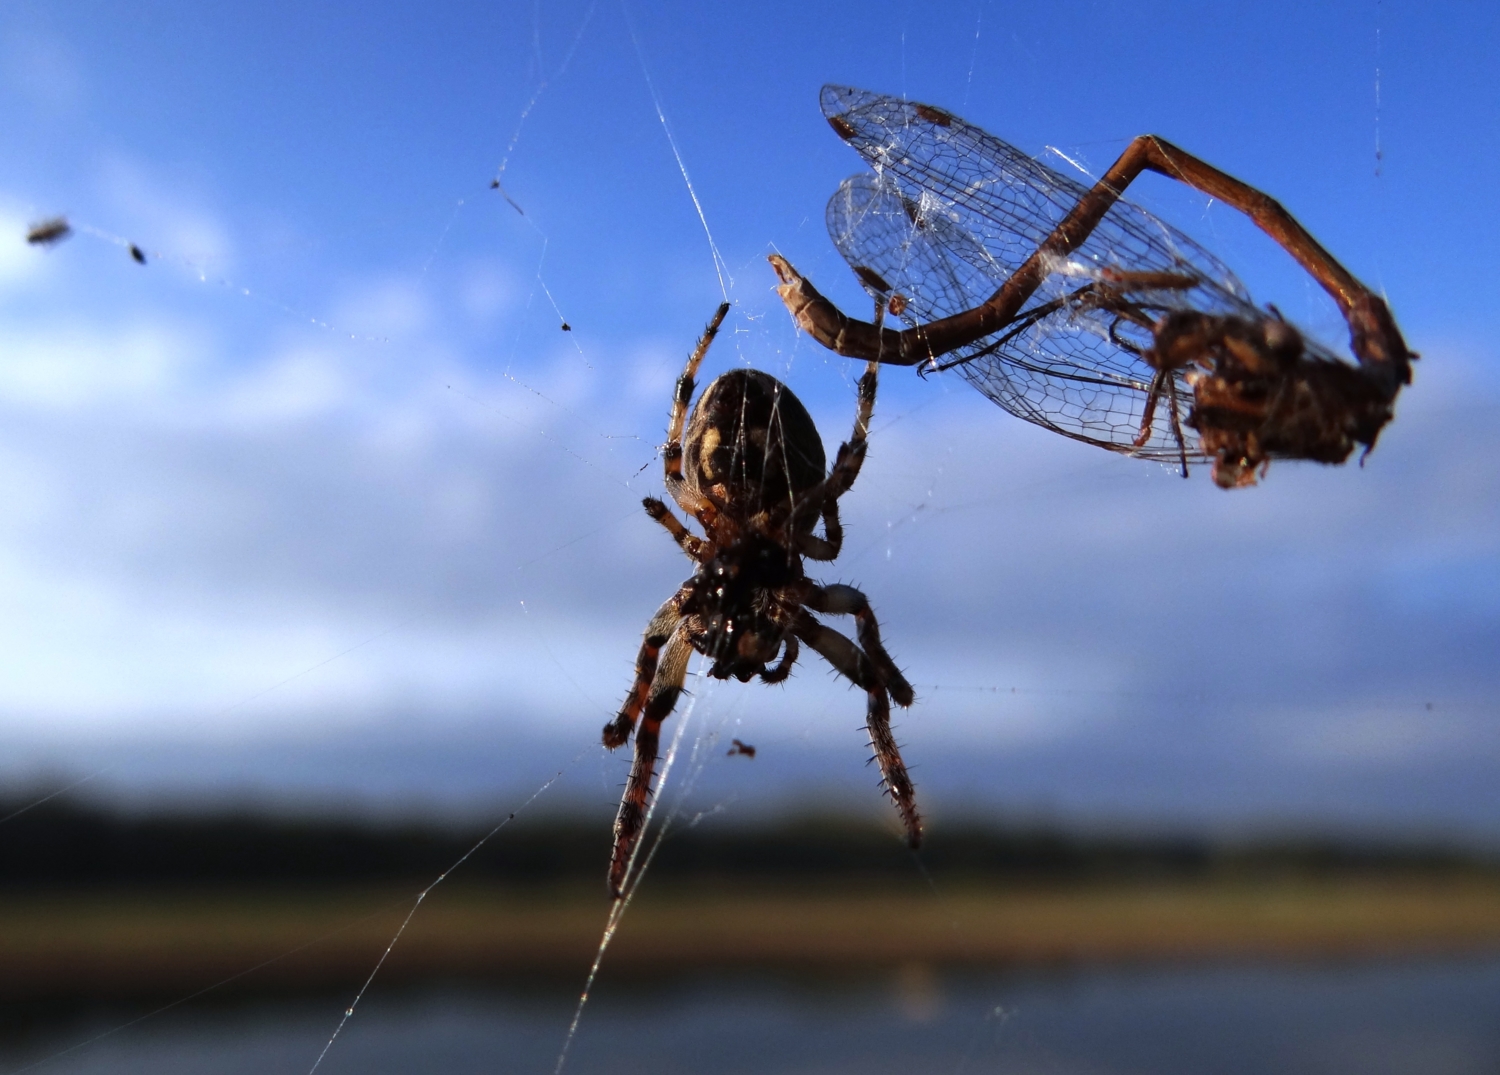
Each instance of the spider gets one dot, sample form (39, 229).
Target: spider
(1130, 313)
(751, 470)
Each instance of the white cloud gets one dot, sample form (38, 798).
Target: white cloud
(326, 534)
(384, 308)
(68, 366)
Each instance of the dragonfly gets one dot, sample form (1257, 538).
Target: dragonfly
(1083, 313)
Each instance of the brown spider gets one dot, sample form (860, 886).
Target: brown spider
(751, 470)
(1131, 313)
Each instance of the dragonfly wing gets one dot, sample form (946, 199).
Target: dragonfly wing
(1008, 201)
(1067, 371)
(950, 211)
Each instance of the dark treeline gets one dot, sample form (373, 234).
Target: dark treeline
(68, 844)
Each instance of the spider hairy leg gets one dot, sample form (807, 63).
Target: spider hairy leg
(892, 768)
(657, 632)
(694, 546)
(784, 668)
(851, 454)
(665, 689)
(841, 600)
(846, 464)
(831, 543)
(683, 395)
(855, 666)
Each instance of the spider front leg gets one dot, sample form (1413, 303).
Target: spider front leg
(822, 499)
(831, 543)
(855, 666)
(694, 546)
(851, 454)
(665, 687)
(671, 455)
(784, 667)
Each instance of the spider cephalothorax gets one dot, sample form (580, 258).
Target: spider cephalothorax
(732, 612)
(751, 470)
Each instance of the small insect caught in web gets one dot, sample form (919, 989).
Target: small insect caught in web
(137, 254)
(740, 748)
(748, 464)
(49, 232)
(1080, 312)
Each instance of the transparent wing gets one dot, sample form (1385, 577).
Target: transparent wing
(950, 211)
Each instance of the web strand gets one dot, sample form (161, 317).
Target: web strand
(353, 1004)
(541, 88)
(238, 975)
(202, 273)
(54, 794)
(633, 877)
(721, 267)
(973, 55)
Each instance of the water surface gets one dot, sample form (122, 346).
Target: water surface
(1439, 1017)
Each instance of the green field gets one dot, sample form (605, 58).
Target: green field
(164, 943)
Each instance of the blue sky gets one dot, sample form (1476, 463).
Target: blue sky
(321, 504)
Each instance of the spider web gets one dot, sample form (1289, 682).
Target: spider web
(572, 434)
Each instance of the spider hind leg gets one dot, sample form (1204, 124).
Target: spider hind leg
(839, 599)
(665, 688)
(856, 666)
(892, 769)
(658, 631)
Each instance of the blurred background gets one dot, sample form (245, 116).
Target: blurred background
(322, 555)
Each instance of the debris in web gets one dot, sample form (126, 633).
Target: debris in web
(49, 232)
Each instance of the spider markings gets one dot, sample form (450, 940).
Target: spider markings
(1130, 313)
(751, 470)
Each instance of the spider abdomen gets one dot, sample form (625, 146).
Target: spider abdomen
(750, 442)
